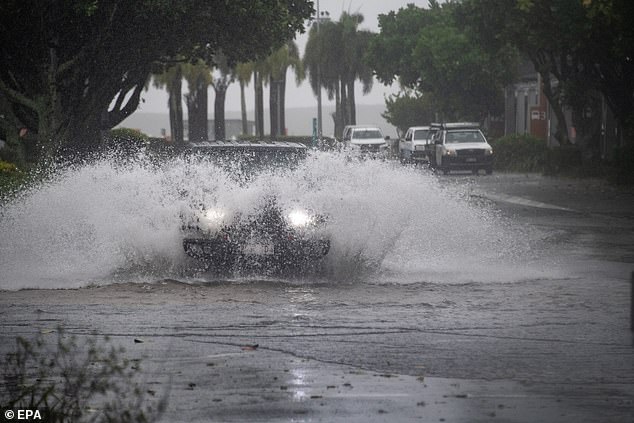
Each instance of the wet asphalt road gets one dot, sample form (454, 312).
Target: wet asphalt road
(556, 348)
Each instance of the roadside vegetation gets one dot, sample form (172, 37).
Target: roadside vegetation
(519, 153)
(524, 153)
(79, 380)
(10, 176)
(96, 58)
(454, 60)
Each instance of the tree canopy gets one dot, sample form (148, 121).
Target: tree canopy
(334, 59)
(577, 46)
(70, 68)
(408, 108)
(429, 51)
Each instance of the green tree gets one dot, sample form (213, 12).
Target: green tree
(259, 72)
(277, 65)
(355, 44)
(73, 68)
(430, 52)
(408, 108)
(334, 56)
(244, 71)
(222, 76)
(172, 80)
(198, 77)
(578, 47)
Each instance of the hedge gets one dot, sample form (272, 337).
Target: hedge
(520, 153)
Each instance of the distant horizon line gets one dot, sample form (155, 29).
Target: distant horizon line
(325, 106)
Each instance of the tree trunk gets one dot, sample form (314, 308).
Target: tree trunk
(587, 122)
(337, 115)
(243, 110)
(282, 109)
(273, 97)
(562, 125)
(352, 107)
(49, 118)
(219, 112)
(259, 104)
(197, 112)
(176, 109)
(343, 114)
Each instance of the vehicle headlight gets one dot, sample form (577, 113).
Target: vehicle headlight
(449, 152)
(488, 152)
(212, 220)
(300, 218)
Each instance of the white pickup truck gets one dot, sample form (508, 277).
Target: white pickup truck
(366, 139)
(412, 148)
(460, 146)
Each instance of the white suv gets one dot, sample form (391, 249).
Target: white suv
(368, 139)
(412, 148)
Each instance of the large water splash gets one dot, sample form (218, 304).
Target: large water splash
(106, 221)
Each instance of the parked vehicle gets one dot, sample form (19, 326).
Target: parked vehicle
(413, 147)
(460, 146)
(346, 131)
(366, 140)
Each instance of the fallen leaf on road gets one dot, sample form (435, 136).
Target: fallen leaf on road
(249, 347)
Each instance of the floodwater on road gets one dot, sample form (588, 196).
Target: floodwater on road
(517, 281)
(108, 222)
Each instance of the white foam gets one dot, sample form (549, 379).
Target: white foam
(90, 223)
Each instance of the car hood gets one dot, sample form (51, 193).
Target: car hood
(368, 141)
(468, 146)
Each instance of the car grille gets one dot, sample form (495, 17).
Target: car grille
(370, 148)
(470, 152)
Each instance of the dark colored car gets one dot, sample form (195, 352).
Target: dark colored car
(273, 237)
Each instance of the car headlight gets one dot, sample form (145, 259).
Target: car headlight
(449, 152)
(212, 220)
(300, 218)
(488, 152)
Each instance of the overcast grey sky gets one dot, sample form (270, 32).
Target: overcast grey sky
(302, 96)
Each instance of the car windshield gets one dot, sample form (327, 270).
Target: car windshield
(421, 135)
(454, 137)
(365, 134)
(244, 162)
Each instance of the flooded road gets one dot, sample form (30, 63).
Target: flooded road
(490, 298)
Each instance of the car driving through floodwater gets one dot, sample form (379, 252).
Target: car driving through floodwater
(273, 236)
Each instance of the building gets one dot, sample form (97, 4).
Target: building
(527, 111)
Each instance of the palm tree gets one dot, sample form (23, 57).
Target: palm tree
(276, 66)
(172, 79)
(243, 73)
(334, 56)
(355, 44)
(198, 77)
(222, 76)
(259, 74)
